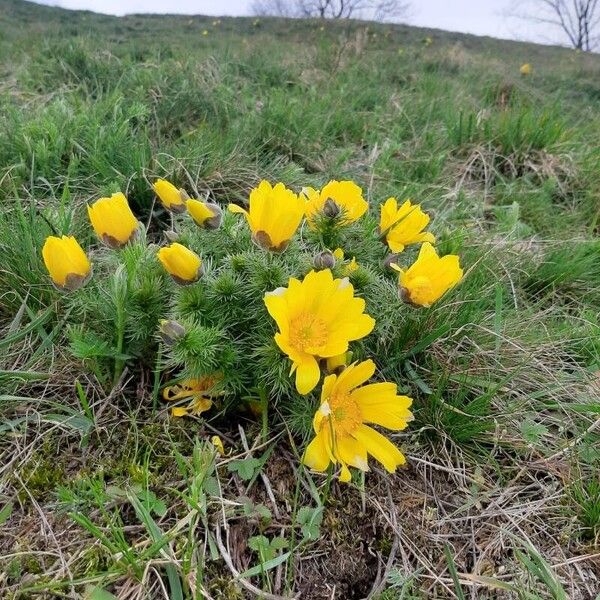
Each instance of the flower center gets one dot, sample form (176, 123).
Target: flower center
(308, 333)
(343, 412)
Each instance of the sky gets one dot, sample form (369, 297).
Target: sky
(481, 17)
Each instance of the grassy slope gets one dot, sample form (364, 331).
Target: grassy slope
(502, 481)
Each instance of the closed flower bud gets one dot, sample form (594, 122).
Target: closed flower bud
(172, 236)
(113, 221)
(182, 264)
(205, 214)
(324, 260)
(389, 260)
(331, 209)
(67, 263)
(172, 198)
(170, 331)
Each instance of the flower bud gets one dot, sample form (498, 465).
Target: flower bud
(324, 260)
(331, 209)
(170, 331)
(389, 260)
(172, 236)
(205, 214)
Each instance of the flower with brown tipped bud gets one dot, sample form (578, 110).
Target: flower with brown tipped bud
(324, 260)
(205, 214)
(331, 209)
(170, 331)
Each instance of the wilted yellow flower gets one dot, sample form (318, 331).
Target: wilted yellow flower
(172, 198)
(526, 69)
(274, 214)
(342, 436)
(216, 441)
(403, 226)
(317, 318)
(113, 221)
(429, 277)
(198, 393)
(341, 199)
(181, 263)
(205, 214)
(66, 262)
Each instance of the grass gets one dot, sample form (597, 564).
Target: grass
(101, 492)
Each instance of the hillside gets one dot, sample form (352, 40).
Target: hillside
(104, 491)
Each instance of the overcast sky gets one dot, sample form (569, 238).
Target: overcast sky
(482, 17)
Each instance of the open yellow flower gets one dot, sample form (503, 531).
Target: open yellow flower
(526, 69)
(317, 318)
(342, 436)
(198, 393)
(172, 198)
(113, 221)
(206, 214)
(67, 263)
(429, 277)
(181, 263)
(343, 199)
(404, 225)
(274, 214)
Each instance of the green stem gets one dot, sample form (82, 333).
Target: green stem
(264, 403)
(156, 384)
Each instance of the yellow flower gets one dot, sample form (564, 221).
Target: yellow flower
(342, 436)
(182, 264)
(526, 69)
(215, 440)
(403, 226)
(113, 221)
(429, 277)
(197, 392)
(205, 214)
(67, 263)
(317, 318)
(171, 198)
(337, 198)
(274, 214)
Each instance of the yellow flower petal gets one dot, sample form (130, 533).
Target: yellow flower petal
(380, 448)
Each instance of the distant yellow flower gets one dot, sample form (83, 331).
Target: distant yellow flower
(172, 198)
(403, 226)
(67, 263)
(428, 41)
(198, 393)
(342, 199)
(317, 318)
(216, 441)
(274, 215)
(526, 69)
(181, 263)
(429, 277)
(113, 221)
(342, 437)
(205, 32)
(205, 214)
